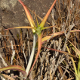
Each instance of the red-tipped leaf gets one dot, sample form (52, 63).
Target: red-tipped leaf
(39, 48)
(14, 67)
(28, 15)
(46, 16)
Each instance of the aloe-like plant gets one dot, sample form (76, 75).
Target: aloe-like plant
(37, 30)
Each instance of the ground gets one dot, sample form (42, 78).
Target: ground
(52, 63)
(12, 13)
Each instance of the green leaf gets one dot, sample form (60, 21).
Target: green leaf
(46, 16)
(14, 67)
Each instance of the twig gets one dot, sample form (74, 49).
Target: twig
(13, 54)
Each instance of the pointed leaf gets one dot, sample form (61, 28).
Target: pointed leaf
(28, 15)
(14, 67)
(20, 27)
(74, 65)
(37, 15)
(75, 31)
(54, 35)
(76, 50)
(46, 16)
(39, 48)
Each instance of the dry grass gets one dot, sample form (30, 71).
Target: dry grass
(51, 65)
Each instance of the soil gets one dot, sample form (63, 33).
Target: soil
(12, 13)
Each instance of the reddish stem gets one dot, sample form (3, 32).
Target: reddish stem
(39, 48)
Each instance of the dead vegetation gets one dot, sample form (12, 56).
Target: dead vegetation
(51, 64)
